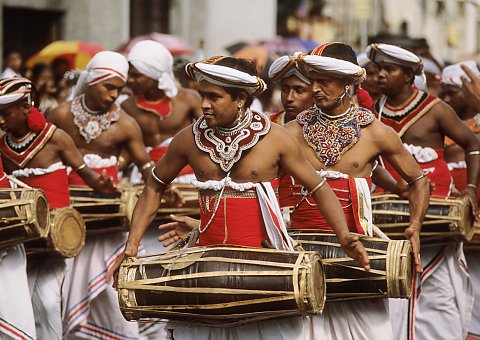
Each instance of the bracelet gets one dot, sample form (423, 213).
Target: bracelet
(80, 167)
(471, 153)
(146, 166)
(158, 179)
(471, 185)
(416, 179)
(319, 185)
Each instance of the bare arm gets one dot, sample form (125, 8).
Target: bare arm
(72, 157)
(135, 146)
(403, 162)
(471, 89)
(293, 162)
(382, 178)
(456, 130)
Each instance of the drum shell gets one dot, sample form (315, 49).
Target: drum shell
(66, 236)
(221, 286)
(446, 220)
(24, 215)
(105, 213)
(390, 262)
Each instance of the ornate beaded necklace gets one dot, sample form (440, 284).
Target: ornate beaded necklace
(91, 124)
(225, 145)
(331, 136)
(22, 143)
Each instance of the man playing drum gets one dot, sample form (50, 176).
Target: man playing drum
(36, 153)
(452, 92)
(236, 181)
(341, 141)
(100, 130)
(442, 309)
(160, 109)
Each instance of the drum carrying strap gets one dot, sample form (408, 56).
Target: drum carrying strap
(272, 217)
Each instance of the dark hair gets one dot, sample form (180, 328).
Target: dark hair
(38, 69)
(409, 72)
(243, 65)
(340, 51)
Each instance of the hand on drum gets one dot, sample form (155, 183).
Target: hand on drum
(412, 234)
(352, 246)
(471, 193)
(177, 230)
(129, 251)
(105, 184)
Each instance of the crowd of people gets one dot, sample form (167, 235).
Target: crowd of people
(386, 120)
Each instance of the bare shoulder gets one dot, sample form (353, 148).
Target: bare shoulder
(293, 127)
(128, 105)
(61, 138)
(381, 135)
(60, 113)
(183, 139)
(280, 135)
(441, 109)
(189, 96)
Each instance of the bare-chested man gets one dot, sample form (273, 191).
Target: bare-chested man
(157, 105)
(452, 92)
(36, 153)
(100, 131)
(249, 161)
(442, 308)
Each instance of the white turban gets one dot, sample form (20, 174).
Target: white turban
(363, 60)
(104, 65)
(13, 89)
(429, 66)
(225, 76)
(394, 55)
(452, 74)
(155, 61)
(284, 67)
(331, 66)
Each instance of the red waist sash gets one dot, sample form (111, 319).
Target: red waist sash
(238, 220)
(460, 180)
(54, 185)
(307, 216)
(110, 171)
(158, 152)
(4, 182)
(437, 173)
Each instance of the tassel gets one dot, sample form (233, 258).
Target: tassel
(364, 99)
(36, 120)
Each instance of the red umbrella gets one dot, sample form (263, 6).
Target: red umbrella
(175, 44)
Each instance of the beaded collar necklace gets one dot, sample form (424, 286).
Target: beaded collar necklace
(23, 143)
(331, 136)
(91, 124)
(225, 145)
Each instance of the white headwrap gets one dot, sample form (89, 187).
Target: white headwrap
(104, 65)
(429, 66)
(155, 61)
(452, 74)
(394, 55)
(363, 60)
(284, 67)
(333, 66)
(225, 76)
(8, 95)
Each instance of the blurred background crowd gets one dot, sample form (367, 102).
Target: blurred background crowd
(49, 42)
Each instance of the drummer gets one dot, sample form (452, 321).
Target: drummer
(345, 140)
(99, 129)
(422, 121)
(36, 152)
(452, 92)
(159, 107)
(227, 86)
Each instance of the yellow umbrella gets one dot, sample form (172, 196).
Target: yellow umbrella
(76, 52)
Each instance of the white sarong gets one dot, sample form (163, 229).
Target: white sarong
(16, 312)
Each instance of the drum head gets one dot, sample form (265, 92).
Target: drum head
(67, 232)
(39, 211)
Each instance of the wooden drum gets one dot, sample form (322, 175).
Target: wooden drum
(105, 213)
(190, 208)
(221, 286)
(390, 275)
(24, 215)
(446, 219)
(474, 243)
(65, 238)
